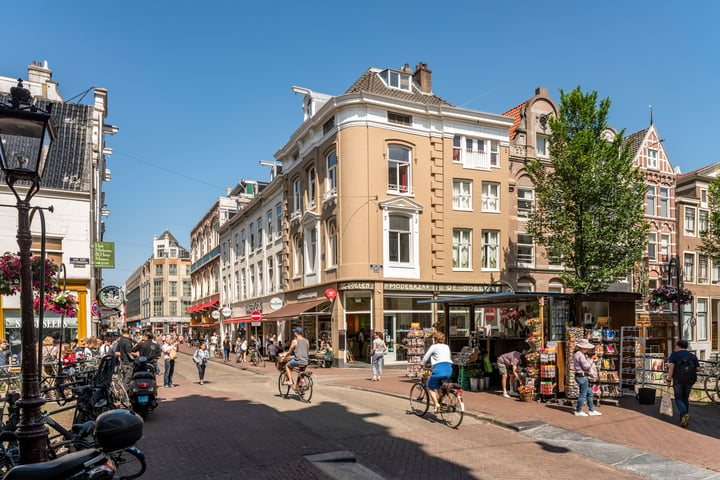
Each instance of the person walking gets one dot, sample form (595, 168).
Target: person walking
(378, 352)
(582, 366)
(169, 349)
(238, 349)
(5, 356)
(682, 375)
(226, 348)
(200, 357)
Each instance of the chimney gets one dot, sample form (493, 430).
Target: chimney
(423, 77)
(39, 72)
(541, 91)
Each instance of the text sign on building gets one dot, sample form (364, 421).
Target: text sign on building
(79, 261)
(104, 255)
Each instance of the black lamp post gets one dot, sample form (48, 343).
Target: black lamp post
(25, 137)
(674, 266)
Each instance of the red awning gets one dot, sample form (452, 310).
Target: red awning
(293, 310)
(246, 318)
(204, 324)
(202, 306)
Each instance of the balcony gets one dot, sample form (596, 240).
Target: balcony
(330, 196)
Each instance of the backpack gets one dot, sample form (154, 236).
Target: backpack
(685, 372)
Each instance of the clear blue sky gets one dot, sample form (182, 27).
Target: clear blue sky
(201, 90)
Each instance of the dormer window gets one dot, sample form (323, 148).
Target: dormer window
(395, 79)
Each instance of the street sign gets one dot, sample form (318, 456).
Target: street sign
(255, 324)
(95, 309)
(489, 315)
(276, 303)
(255, 316)
(215, 314)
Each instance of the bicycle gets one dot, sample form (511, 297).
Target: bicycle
(256, 358)
(304, 382)
(452, 406)
(118, 391)
(711, 384)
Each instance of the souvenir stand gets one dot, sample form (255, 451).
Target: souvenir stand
(415, 344)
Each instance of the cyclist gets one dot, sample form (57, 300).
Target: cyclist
(441, 360)
(299, 348)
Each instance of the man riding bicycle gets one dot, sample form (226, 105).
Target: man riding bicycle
(441, 360)
(299, 348)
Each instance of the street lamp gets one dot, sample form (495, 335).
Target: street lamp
(26, 134)
(674, 265)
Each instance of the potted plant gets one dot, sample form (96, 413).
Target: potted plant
(475, 374)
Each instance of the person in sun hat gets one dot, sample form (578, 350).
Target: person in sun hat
(582, 365)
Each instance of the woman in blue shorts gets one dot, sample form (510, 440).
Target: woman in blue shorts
(441, 361)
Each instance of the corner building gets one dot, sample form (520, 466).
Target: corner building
(392, 196)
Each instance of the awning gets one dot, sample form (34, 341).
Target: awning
(498, 300)
(244, 319)
(202, 306)
(204, 325)
(293, 310)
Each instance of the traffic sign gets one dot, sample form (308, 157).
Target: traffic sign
(95, 309)
(489, 315)
(255, 316)
(330, 293)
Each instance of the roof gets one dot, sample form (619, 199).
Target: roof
(515, 114)
(370, 82)
(634, 141)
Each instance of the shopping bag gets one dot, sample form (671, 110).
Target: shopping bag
(666, 404)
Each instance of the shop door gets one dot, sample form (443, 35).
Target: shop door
(389, 338)
(359, 336)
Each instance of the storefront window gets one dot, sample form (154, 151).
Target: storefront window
(51, 328)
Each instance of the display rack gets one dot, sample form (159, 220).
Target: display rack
(548, 373)
(573, 334)
(415, 343)
(607, 387)
(632, 341)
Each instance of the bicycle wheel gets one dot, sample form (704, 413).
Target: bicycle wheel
(118, 392)
(305, 386)
(712, 388)
(451, 409)
(130, 463)
(282, 388)
(260, 361)
(419, 400)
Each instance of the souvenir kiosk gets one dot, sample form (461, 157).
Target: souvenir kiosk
(546, 326)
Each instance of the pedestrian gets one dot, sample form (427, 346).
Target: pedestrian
(50, 355)
(378, 352)
(69, 360)
(200, 357)
(169, 349)
(272, 351)
(511, 360)
(682, 375)
(582, 365)
(226, 348)
(5, 356)
(243, 350)
(238, 349)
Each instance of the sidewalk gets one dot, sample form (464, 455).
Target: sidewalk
(633, 425)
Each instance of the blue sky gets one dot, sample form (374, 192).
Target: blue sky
(201, 91)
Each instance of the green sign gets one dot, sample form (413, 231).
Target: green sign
(104, 255)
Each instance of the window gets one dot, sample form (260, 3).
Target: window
(297, 196)
(664, 247)
(399, 119)
(271, 274)
(242, 243)
(494, 154)
(270, 227)
(399, 239)
(490, 249)
(687, 328)
(702, 319)
(158, 308)
(664, 202)
(651, 206)
(490, 197)
(187, 288)
(703, 221)
(652, 160)
(702, 269)
(279, 263)
(278, 219)
(329, 125)
(158, 287)
(525, 201)
(260, 233)
(252, 238)
(331, 166)
(555, 286)
(311, 244)
(462, 249)
(172, 288)
(297, 248)
(172, 269)
(399, 169)
(476, 152)
(243, 284)
(236, 297)
(173, 308)
(540, 146)
(159, 270)
(251, 282)
(462, 194)
(689, 268)
(237, 246)
(525, 249)
(553, 256)
(332, 237)
(457, 148)
(703, 197)
(312, 188)
(160, 251)
(261, 280)
(395, 79)
(652, 246)
(715, 272)
(689, 221)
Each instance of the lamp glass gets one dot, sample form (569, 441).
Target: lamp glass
(25, 139)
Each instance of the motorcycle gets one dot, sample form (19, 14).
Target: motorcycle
(143, 387)
(113, 456)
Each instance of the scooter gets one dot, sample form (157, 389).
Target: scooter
(143, 387)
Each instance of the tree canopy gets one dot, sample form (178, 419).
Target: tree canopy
(711, 238)
(589, 196)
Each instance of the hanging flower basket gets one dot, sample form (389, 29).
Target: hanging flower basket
(63, 303)
(10, 274)
(668, 294)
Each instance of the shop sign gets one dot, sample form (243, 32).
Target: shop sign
(307, 295)
(356, 286)
(253, 306)
(255, 324)
(111, 297)
(330, 293)
(104, 254)
(276, 303)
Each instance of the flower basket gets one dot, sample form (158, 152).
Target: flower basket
(669, 294)
(527, 393)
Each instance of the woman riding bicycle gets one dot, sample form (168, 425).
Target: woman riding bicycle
(441, 360)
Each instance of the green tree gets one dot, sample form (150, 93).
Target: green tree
(711, 237)
(589, 196)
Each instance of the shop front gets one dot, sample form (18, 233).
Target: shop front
(307, 310)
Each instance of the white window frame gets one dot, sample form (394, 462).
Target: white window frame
(651, 206)
(524, 212)
(652, 246)
(331, 259)
(279, 219)
(689, 267)
(702, 319)
(312, 189)
(270, 235)
(689, 221)
(490, 250)
(715, 272)
(703, 221)
(331, 174)
(297, 256)
(541, 146)
(462, 194)
(703, 264)
(395, 268)
(397, 165)
(297, 196)
(664, 202)
(261, 239)
(397, 80)
(491, 197)
(526, 243)
(243, 244)
(652, 158)
(271, 274)
(251, 283)
(462, 249)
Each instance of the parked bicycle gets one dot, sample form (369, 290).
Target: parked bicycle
(711, 384)
(255, 357)
(303, 381)
(452, 406)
